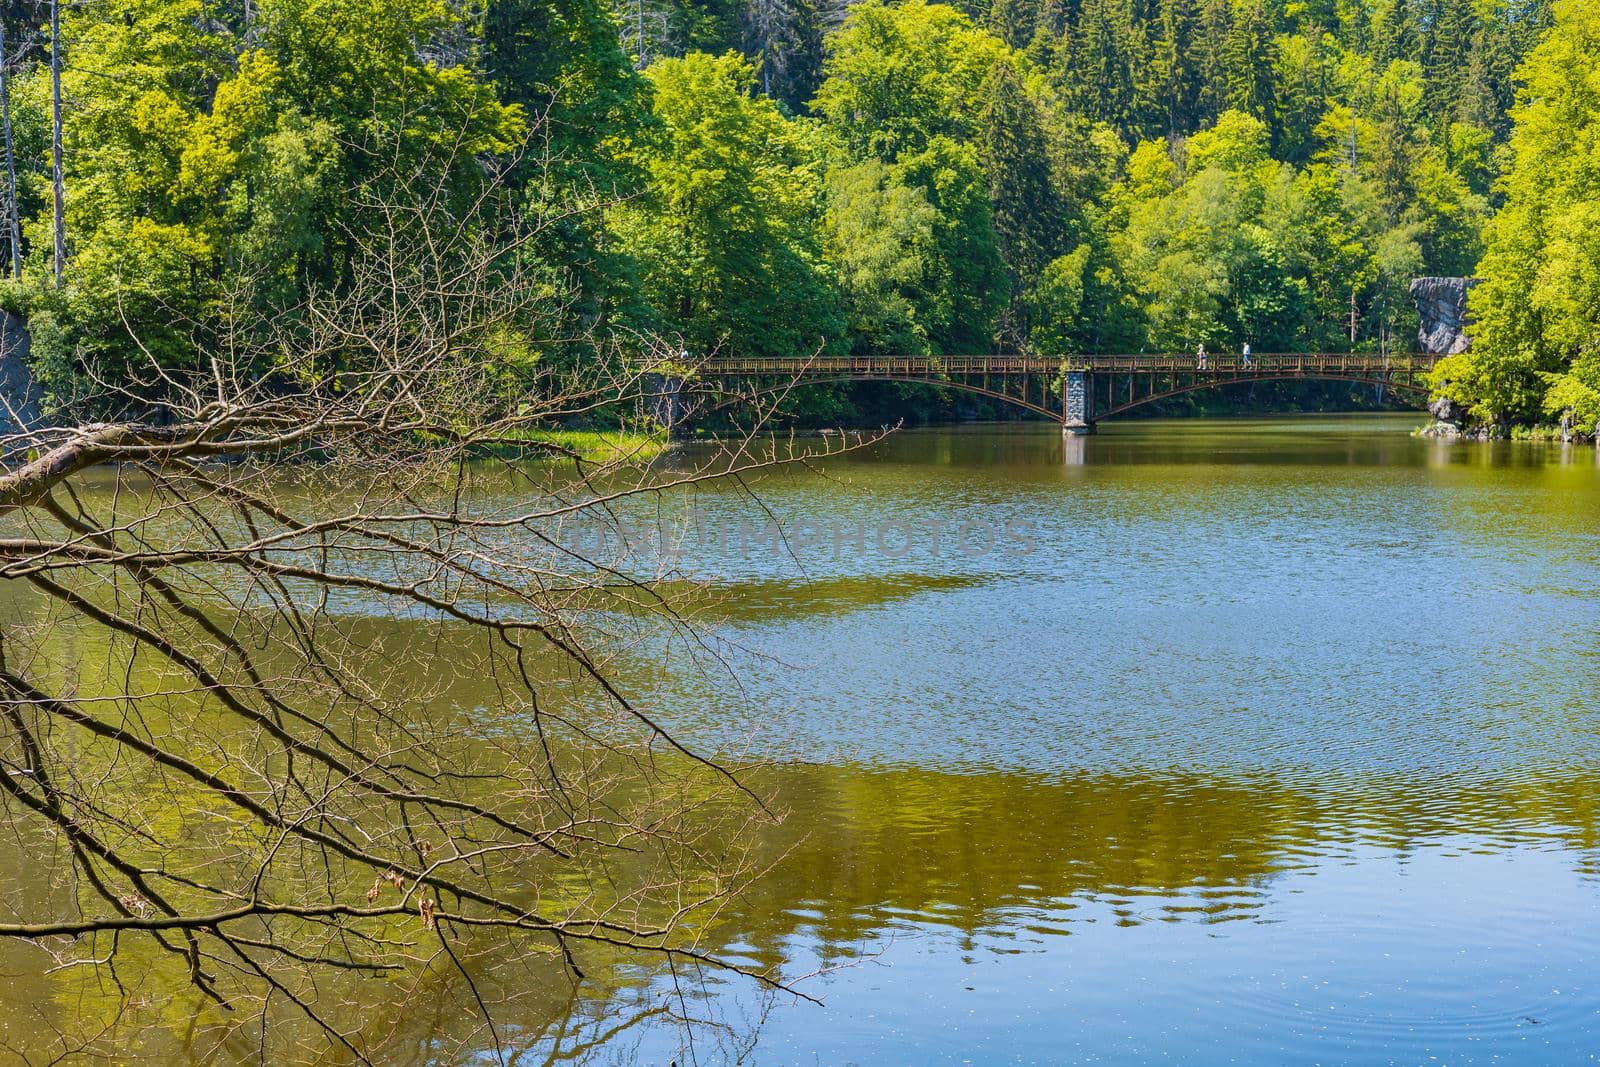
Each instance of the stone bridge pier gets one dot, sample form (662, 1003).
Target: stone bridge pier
(1077, 403)
(663, 401)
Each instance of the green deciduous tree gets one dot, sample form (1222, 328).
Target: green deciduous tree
(1538, 308)
(971, 289)
(727, 234)
(880, 241)
(897, 77)
(216, 154)
(1204, 251)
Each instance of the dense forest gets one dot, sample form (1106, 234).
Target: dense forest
(779, 177)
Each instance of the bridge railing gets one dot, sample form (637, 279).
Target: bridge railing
(1309, 363)
(1306, 363)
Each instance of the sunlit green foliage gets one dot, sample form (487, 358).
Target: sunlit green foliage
(880, 240)
(213, 155)
(1538, 309)
(888, 176)
(727, 233)
(897, 76)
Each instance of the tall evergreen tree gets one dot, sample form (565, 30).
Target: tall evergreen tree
(1248, 59)
(1210, 65)
(1013, 21)
(1453, 38)
(1172, 83)
(1399, 32)
(1026, 206)
(1108, 50)
(1478, 103)
(1303, 89)
(1052, 48)
(772, 38)
(1053, 17)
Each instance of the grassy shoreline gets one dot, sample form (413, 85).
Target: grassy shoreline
(600, 446)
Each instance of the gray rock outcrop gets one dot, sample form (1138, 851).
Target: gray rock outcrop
(1442, 305)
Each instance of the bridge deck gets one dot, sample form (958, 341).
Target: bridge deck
(1309, 364)
(1074, 390)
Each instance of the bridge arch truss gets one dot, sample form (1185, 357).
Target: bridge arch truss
(1076, 392)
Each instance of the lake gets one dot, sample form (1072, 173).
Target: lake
(1266, 741)
(1278, 743)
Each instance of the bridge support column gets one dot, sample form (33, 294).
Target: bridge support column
(1077, 403)
(663, 397)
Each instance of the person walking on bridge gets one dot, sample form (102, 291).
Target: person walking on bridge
(1246, 355)
(1200, 356)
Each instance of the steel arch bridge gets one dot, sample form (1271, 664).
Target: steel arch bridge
(1076, 392)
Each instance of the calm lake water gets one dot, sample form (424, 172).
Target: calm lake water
(1278, 743)
(1261, 741)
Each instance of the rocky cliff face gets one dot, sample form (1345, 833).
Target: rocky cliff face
(19, 397)
(1442, 303)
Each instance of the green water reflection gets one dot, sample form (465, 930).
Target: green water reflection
(1279, 743)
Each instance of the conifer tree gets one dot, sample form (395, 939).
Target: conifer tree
(1478, 104)
(1013, 21)
(1210, 66)
(1172, 86)
(772, 39)
(1453, 38)
(1106, 55)
(1399, 33)
(1053, 17)
(1026, 206)
(1248, 62)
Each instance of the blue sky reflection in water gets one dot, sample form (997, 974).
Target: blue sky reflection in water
(1280, 745)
